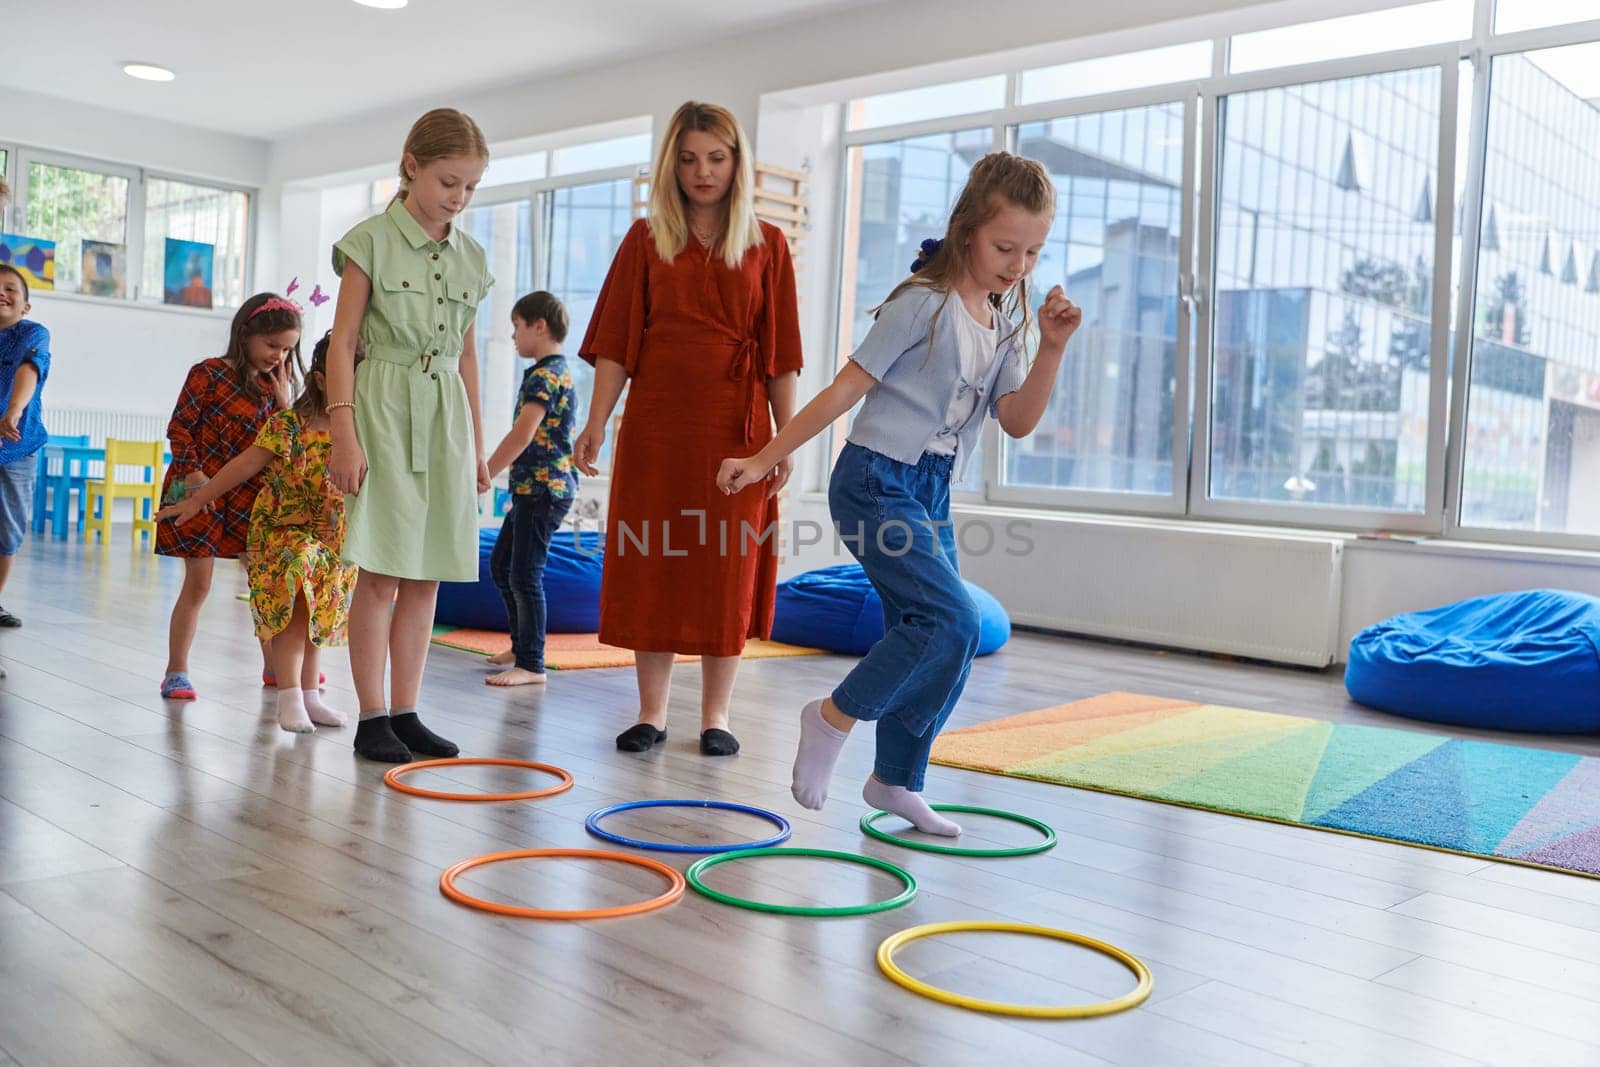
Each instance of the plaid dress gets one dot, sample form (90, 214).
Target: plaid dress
(213, 422)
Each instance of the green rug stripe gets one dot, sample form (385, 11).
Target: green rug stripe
(1271, 781)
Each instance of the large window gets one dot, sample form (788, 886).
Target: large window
(1533, 411)
(504, 230)
(1114, 246)
(901, 193)
(1324, 261)
(587, 224)
(190, 212)
(70, 205)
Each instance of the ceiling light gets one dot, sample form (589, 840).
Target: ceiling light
(148, 72)
(387, 5)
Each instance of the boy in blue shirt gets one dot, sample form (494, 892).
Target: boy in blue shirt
(24, 366)
(543, 483)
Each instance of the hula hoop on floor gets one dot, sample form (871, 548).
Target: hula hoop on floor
(392, 779)
(904, 897)
(1048, 843)
(593, 824)
(1131, 999)
(675, 885)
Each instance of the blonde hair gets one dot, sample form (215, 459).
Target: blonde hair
(443, 133)
(668, 219)
(998, 178)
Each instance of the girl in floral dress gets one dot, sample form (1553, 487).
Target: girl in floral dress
(300, 588)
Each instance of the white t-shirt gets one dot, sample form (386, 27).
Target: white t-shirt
(978, 345)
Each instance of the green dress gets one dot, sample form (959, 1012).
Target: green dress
(416, 515)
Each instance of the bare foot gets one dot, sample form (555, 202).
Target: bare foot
(515, 676)
(501, 659)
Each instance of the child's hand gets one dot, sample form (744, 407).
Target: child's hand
(347, 468)
(9, 428)
(281, 381)
(586, 449)
(484, 481)
(738, 474)
(1059, 319)
(181, 512)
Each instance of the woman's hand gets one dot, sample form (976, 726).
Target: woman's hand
(736, 475)
(348, 467)
(1059, 319)
(586, 449)
(281, 381)
(778, 476)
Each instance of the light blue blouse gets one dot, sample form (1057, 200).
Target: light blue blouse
(917, 365)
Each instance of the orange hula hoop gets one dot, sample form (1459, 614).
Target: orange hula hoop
(675, 887)
(392, 779)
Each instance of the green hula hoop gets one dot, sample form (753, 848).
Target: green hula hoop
(1048, 843)
(699, 867)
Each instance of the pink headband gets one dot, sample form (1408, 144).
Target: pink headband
(276, 303)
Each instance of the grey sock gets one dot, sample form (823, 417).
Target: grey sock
(814, 760)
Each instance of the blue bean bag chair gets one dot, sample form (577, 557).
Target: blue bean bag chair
(837, 609)
(571, 587)
(1512, 661)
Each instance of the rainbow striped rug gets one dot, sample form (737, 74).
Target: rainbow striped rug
(1503, 802)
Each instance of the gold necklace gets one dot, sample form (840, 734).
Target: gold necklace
(702, 236)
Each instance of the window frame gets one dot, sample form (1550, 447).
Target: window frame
(253, 207)
(1446, 59)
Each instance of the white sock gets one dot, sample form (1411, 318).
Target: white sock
(319, 712)
(292, 711)
(898, 800)
(814, 759)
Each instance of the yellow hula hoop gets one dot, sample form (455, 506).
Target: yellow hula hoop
(1131, 999)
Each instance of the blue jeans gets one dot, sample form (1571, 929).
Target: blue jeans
(895, 519)
(517, 567)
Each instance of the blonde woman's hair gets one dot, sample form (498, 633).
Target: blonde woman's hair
(443, 133)
(997, 179)
(669, 220)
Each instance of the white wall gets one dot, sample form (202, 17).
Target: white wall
(120, 355)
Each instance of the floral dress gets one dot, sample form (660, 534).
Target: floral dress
(297, 535)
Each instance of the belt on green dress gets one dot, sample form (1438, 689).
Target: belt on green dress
(425, 390)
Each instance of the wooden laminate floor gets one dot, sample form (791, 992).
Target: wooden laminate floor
(188, 884)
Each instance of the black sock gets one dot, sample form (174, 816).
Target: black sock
(715, 742)
(640, 737)
(375, 740)
(418, 738)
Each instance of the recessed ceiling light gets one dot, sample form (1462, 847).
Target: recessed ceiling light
(387, 5)
(148, 72)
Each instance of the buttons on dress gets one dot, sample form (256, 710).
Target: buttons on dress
(441, 300)
(438, 277)
(405, 285)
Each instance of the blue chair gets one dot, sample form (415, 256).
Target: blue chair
(61, 482)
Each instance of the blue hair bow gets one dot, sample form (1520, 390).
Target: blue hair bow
(930, 248)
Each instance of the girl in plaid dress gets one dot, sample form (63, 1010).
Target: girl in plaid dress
(222, 406)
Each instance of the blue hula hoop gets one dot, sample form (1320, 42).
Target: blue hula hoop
(593, 824)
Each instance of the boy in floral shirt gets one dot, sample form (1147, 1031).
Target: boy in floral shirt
(544, 483)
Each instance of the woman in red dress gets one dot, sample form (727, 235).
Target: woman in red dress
(697, 317)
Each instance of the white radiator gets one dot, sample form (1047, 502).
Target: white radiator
(99, 425)
(1246, 593)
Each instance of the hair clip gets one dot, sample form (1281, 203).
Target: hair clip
(930, 248)
(318, 297)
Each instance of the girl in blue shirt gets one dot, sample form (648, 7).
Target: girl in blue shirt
(946, 350)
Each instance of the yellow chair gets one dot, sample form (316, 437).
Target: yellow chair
(104, 493)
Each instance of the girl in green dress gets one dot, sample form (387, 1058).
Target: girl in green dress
(407, 439)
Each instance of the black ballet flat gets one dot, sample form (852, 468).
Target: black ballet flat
(640, 737)
(714, 742)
